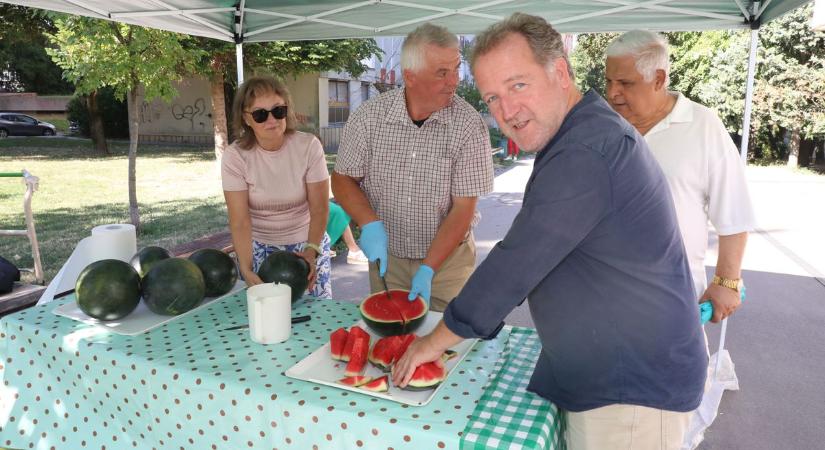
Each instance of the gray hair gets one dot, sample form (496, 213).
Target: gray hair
(413, 49)
(545, 42)
(647, 48)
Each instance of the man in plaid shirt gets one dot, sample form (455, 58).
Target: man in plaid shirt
(410, 168)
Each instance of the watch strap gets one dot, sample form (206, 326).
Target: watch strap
(730, 283)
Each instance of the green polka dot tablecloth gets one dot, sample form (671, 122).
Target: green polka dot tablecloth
(188, 385)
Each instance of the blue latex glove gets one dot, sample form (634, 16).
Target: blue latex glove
(373, 242)
(422, 283)
(706, 309)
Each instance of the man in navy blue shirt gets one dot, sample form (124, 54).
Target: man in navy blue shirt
(596, 251)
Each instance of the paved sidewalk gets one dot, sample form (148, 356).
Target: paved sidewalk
(775, 340)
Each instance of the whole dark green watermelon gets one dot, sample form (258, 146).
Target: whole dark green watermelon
(108, 289)
(218, 269)
(147, 257)
(173, 286)
(288, 268)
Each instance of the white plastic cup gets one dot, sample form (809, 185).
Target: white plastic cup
(269, 307)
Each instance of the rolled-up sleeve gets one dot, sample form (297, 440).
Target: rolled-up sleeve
(473, 172)
(568, 197)
(354, 148)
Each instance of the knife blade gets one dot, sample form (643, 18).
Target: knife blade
(296, 319)
(383, 280)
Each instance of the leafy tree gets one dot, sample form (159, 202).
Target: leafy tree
(278, 58)
(791, 76)
(588, 60)
(95, 53)
(24, 64)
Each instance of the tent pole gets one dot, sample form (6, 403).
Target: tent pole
(746, 121)
(239, 61)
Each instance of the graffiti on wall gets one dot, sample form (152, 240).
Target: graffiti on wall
(196, 112)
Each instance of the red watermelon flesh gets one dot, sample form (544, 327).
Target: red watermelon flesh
(337, 342)
(358, 356)
(426, 376)
(355, 381)
(394, 315)
(377, 385)
(354, 332)
(385, 352)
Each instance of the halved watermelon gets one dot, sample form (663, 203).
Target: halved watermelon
(358, 356)
(354, 332)
(394, 315)
(377, 385)
(426, 376)
(355, 381)
(337, 342)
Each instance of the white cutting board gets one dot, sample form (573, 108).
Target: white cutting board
(319, 367)
(138, 321)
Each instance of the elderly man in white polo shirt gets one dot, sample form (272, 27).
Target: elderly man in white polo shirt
(697, 155)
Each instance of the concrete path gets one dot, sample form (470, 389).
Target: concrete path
(775, 340)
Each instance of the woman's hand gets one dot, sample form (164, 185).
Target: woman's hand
(251, 278)
(310, 257)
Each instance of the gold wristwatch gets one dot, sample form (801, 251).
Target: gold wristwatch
(730, 283)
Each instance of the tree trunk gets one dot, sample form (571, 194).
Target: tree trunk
(96, 124)
(793, 148)
(133, 107)
(806, 148)
(219, 125)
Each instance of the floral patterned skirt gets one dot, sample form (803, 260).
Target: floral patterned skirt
(323, 265)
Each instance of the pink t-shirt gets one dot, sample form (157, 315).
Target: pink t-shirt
(276, 182)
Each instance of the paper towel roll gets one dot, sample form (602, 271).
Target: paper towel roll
(113, 241)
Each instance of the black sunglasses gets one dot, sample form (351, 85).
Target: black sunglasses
(260, 115)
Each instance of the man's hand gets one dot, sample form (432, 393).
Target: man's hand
(373, 242)
(725, 301)
(422, 283)
(421, 351)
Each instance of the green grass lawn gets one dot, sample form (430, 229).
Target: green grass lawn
(178, 189)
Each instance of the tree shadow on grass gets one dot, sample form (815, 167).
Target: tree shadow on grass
(165, 224)
(63, 148)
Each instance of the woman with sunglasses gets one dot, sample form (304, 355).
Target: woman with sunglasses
(276, 185)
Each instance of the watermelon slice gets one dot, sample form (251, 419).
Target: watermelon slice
(354, 332)
(448, 355)
(384, 352)
(426, 376)
(355, 381)
(394, 315)
(358, 356)
(337, 342)
(377, 385)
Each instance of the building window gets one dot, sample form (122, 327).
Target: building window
(338, 101)
(365, 92)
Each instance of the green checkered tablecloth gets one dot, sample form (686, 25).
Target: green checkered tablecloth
(507, 416)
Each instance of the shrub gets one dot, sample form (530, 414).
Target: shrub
(114, 112)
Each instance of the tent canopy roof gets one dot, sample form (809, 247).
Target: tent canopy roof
(261, 20)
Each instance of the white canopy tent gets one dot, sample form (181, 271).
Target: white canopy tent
(269, 20)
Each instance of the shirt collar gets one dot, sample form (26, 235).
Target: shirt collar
(682, 112)
(398, 110)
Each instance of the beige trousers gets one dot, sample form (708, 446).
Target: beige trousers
(447, 281)
(626, 427)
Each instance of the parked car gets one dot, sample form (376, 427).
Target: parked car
(15, 124)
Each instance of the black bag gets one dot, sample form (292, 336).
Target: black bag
(9, 273)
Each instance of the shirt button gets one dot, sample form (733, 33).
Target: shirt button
(409, 199)
(413, 154)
